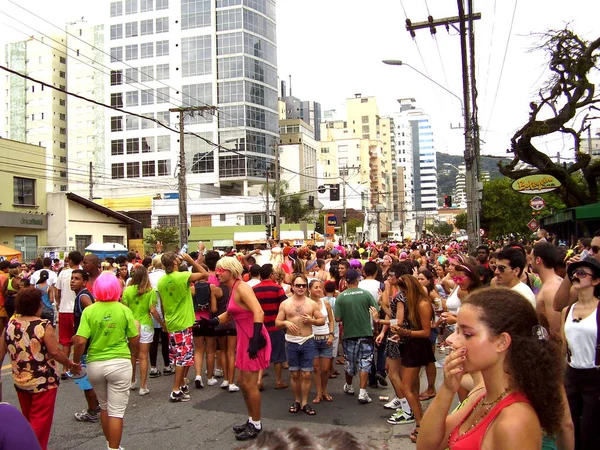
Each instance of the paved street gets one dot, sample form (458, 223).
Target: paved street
(205, 422)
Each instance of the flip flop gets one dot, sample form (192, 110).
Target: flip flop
(317, 400)
(308, 410)
(426, 397)
(333, 375)
(327, 398)
(340, 362)
(295, 407)
(280, 385)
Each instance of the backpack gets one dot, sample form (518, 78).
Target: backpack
(202, 296)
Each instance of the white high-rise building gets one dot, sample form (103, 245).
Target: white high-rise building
(167, 54)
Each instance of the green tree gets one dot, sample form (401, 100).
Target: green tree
(461, 221)
(568, 91)
(169, 236)
(294, 208)
(443, 229)
(505, 211)
(351, 226)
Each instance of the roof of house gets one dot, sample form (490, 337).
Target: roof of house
(101, 209)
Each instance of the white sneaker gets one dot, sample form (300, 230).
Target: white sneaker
(364, 398)
(211, 381)
(349, 389)
(225, 384)
(233, 388)
(135, 385)
(394, 404)
(219, 373)
(144, 391)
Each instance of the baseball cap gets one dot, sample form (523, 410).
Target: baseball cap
(334, 252)
(352, 275)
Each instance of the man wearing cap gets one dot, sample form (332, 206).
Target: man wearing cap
(352, 308)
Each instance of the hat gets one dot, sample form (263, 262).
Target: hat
(311, 264)
(392, 250)
(588, 261)
(352, 275)
(355, 264)
(403, 255)
(286, 250)
(334, 252)
(321, 253)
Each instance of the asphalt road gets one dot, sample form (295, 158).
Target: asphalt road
(152, 422)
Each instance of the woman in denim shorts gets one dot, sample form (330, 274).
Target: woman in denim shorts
(323, 342)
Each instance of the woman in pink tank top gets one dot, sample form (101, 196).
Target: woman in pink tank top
(498, 335)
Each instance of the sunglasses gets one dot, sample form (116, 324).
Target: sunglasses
(581, 273)
(501, 268)
(595, 249)
(220, 271)
(301, 286)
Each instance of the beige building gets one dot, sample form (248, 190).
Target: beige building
(298, 153)
(37, 114)
(23, 212)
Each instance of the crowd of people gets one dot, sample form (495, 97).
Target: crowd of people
(515, 326)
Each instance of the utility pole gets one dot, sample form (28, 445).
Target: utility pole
(91, 184)
(267, 218)
(471, 153)
(182, 186)
(277, 195)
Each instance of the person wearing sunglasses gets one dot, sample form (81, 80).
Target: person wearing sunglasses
(297, 315)
(581, 327)
(509, 267)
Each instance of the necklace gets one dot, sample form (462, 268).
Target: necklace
(487, 407)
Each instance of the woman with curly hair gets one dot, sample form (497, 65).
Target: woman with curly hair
(498, 334)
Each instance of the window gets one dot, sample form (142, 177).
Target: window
(229, 92)
(61, 116)
(116, 77)
(63, 60)
(201, 220)
(148, 145)
(131, 76)
(116, 9)
(147, 123)
(63, 131)
(162, 71)
(116, 31)
(147, 73)
(195, 14)
(222, 217)
(162, 48)
(230, 19)
(60, 74)
(133, 169)
(24, 191)
(147, 50)
(196, 56)
(132, 122)
(27, 245)
(163, 143)
(162, 4)
(116, 54)
(116, 123)
(131, 29)
(164, 167)
(230, 43)
(365, 119)
(168, 221)
(131, 52)
(148, 169)
(116, 99)
(116, 147)
(162, 25)
(63, 145)
(62, 102)
(163, 117)
(146, 5)
(146, 27)
(131, 6)
(162, 95)
(118, 171)
(113, 239)
(132, 98)
(133, 146)
(147, 97)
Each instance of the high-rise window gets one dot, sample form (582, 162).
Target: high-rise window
(196, 56)
(163, 117)
(118, 171)
(147, 73)
(162, 48)
(147, 50)
(147, 97)
(23, 191)
(162, 95)
(148, 144)
(195, 14)
(131, 76)
(164, 167)
(230, 19)
(163, 143)
(131, 52)
(116, 77)
(133, 169)
(162, 4)
(197, 94)
(116, 147)
(133, 146)
(116, 123)
(146, 5)
(131, 29)
(162, 25)
(116, 54)
(132, 98)
(147, 123)
(116, 9)
(131, 6)
(132, 122)
(162, 71)
(116, 99)
(116, 31)
(146, 27)
(148, 168)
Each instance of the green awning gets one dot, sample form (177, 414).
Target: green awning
(585, 212)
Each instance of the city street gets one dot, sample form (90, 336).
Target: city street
(152, 422)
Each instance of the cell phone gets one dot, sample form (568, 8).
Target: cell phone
(183, 250)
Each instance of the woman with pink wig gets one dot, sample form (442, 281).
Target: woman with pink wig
(110, 329)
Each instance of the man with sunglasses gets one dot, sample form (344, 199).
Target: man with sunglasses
(510, 264)
(566, 295)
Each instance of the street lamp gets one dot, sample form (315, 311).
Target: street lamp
(471, 176)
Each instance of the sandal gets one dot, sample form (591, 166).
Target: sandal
(280, 385)
(308, 410)
(414, 435)
(333, 375)
(317, 399)
(424, 397)
(327, 397)
(295, 407)
(340, 361)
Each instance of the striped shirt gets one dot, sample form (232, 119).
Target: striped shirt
(269, 295)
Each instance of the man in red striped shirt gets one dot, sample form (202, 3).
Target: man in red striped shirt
(270, 295)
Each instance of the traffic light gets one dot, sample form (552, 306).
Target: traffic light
(311, 201)
(447, 201)
(334, 193)
(268, 229)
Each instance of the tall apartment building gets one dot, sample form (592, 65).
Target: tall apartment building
(36, 114)
(298, 153)
(167, 54)
(308, 111)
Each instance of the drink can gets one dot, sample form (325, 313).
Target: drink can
(384, 398)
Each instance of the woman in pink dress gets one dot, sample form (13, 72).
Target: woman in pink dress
(253, 343)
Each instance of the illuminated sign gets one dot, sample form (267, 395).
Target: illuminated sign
(535, 184)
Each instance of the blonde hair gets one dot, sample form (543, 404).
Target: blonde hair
(232, 264)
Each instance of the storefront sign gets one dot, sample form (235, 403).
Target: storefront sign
(535, 184)
(22, 220)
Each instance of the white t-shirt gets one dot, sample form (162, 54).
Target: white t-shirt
(526, 292)
(67, 296)
(373, 286)
(252, 282)
(35, 276)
